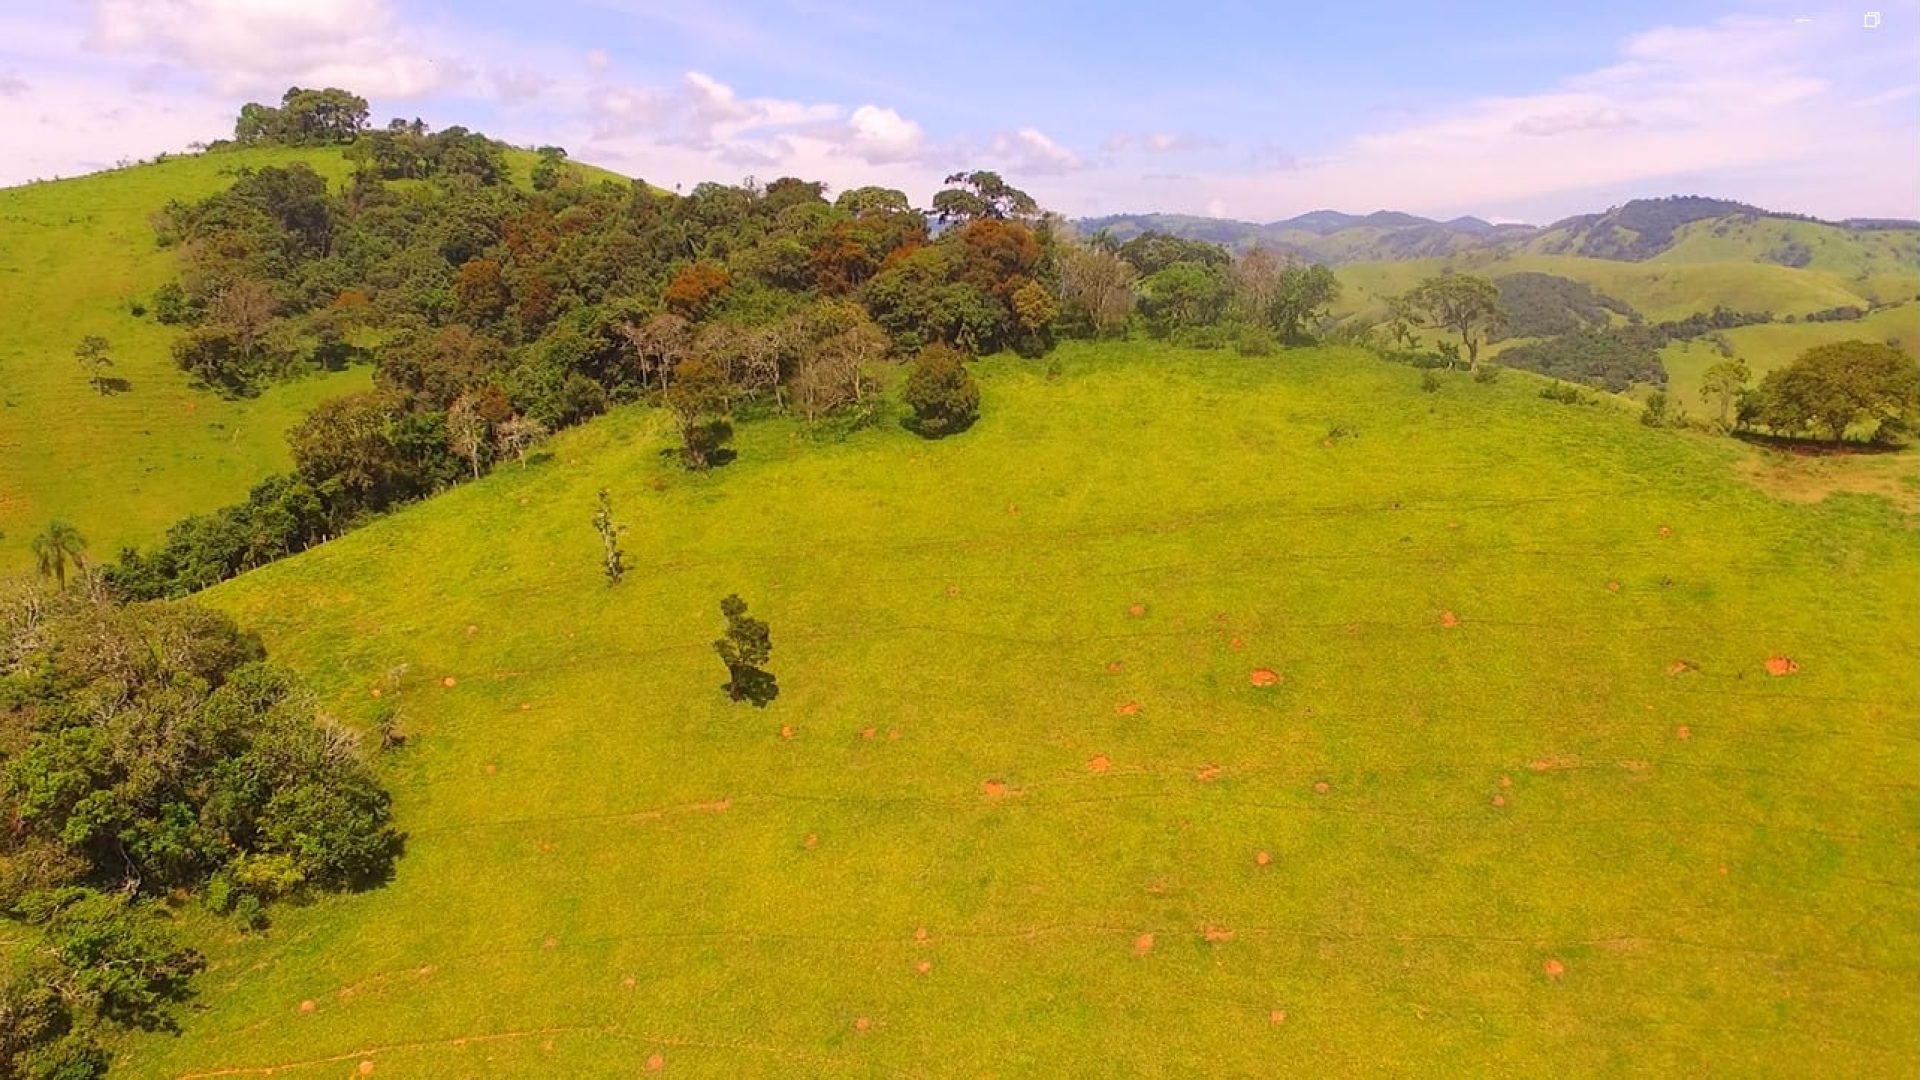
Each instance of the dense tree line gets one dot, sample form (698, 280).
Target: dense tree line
(148, 753)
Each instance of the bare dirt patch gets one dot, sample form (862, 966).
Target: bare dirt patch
(812, 841)
(1127, 708)
(655, 1062)
(1263, 676)
(1780, 665)
(1812, 477)
(308, 1005)
(1506, 781)
(1237, 645)
(1681, 667)
(1499, 800)
(1321, 787)
(526, 706)
(923, 966)
(1449, 619)
(1143, 945)
(1683, 733)
(1613, 586)
(994, 789)
(1208, 774)
(1136, 610)
(366, 1068)
(1217, 934)
(1099, 763)
(787, 731)
(1262, 858)
(490, 768)
(448, 682)
(953, 590)
(921, 935)
(1113, 667)
(1555, 969)
(1277, 1017)
(861, 1023)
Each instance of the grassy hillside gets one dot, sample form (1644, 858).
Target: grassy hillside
(1771, 345)
(74, 254)
(1520, 791)
(1658, 290)
(1871, 259)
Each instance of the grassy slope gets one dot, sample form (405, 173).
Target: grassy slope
(73, 253)
(1879, 264)
(1771, 345)
(122, 468)
(608, 861)
(1657, 290)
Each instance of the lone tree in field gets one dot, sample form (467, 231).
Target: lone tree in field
(941, 393)
(1832, 387)
(746, 646)
(698, 401)
(1723, 383)
(58, 547)
(1462, 304)
(93, 358)
(614, 561)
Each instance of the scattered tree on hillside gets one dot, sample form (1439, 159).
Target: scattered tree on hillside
(1462, 304)
(516, 434)
(1723, 383)
(1833, 387)
(58, 547)
(659, 344)
(92, 356)
(1301, 297)
(613, 561)
(744, 648)
(698, 401)
(941, 392)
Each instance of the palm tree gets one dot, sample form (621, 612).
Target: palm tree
(58, 546)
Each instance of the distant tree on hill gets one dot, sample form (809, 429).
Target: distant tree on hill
(468, 432)
(613, 561)
(979, 195)
(941, 393)
(551, 169)
(92, 356)
(58, 547)
(746, 645)
(304, 118)
(1833, 387)
(1462, 304)
(1723, 383)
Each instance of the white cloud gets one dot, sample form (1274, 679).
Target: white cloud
(1030, 151)
(264, 46)
(884, 135)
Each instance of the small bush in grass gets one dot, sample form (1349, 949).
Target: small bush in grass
(1254, 341)
(1429, 382)
(1487, 373)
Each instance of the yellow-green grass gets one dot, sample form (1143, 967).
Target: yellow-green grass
(73, 255)
(1767, 346)
(1658, 290)
(1536, 850)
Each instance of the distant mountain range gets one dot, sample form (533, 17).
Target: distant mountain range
(1695, 227)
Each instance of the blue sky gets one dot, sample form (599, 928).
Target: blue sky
(1508, 110)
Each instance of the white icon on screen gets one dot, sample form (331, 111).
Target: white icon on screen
(1872, 21)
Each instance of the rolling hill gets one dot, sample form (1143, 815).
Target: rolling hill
(1363, 730)
(76, 255)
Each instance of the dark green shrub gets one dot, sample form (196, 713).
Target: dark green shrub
(941, 392)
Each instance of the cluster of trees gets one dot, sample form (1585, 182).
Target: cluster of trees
(149, 752)
(1826, 392)
(1612, 357)
(1191, 291)
(304, 118)
(1547, 305)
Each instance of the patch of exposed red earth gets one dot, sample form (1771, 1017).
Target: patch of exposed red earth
(787, 731)
(867, 734)
(655, 1063)
(1143, 945)
(1780, 665)
(1683, 733)
(1136, 610)
(1613, 586)
(1555, 969)
(1263, 677)
(1099, 763)
(1217, 934)
(1681, 667)
(923, 966)
(1499, 800)
(1277, 1017)
(1113, 667)
(862, 1024)
(1321, 787)
(1208, 774)
(1127, 708)
(1449, 619)
(308, 1006)
(994, 789)
(1262, 858)
(447, 682)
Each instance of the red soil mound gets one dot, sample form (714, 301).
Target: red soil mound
(1217, 934)
(1555, 969)
(1208, 774)
(862, 1024)
(1236, 645)
(1321, 787)
(1143, 945)
(1099, 763)
(1127, 708)
(1499, 800)
(447, 682)
(1263, 677)
(308, 1006)
(1613, 586)
(1137, 610)
(1780, 665)
(1683, 733)
(787, 731)
(994, 789)
(1277, 1017)
(655, 1063)
(1448, 618)
(923, 966)
(1262, 859)
(1113, 667)
(1681, 667)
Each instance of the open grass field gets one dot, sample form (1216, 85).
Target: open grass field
(73, 255)
(1519, 796)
